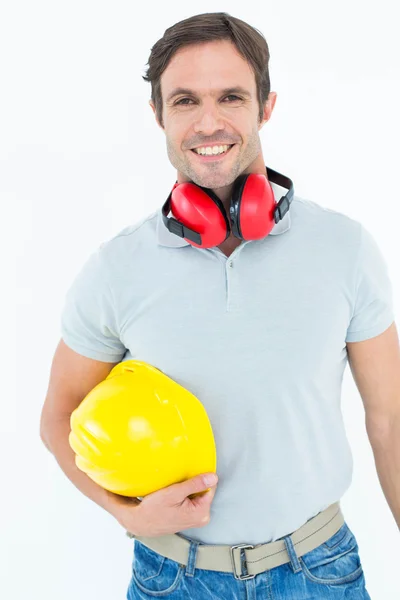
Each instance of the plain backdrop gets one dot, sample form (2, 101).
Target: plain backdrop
(81, 157)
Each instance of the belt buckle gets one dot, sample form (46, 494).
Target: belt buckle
(242, 555)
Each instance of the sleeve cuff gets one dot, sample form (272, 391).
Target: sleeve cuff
(366, 334)
(90, 353)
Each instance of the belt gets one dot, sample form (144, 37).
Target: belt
(258, 558)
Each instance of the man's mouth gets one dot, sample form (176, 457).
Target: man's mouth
(209, 154)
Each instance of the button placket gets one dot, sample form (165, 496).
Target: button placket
(229, 283)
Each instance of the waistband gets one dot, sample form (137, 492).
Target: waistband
(247, 557)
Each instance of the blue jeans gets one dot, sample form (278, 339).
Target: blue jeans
(332, 571)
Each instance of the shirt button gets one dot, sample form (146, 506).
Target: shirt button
(230, 264)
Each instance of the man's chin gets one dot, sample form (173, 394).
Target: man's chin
(211, 181)
(212, 184)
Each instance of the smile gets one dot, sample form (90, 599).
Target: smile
(213, 157)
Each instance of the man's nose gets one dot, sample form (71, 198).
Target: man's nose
(208, 120)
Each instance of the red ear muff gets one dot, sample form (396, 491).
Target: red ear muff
(201, 210)
(252, 207)
(200, 217)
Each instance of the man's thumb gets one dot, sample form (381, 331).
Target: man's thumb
(196, 484)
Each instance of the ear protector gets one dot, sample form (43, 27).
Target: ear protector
(200, 217)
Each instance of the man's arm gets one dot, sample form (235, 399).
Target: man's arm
(72, 377)
(375, 365)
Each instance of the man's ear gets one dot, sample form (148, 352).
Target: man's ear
(155, 114)
(268, 108)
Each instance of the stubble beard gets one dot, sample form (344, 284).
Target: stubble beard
(214, 175)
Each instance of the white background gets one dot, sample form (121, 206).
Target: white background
(81, 157)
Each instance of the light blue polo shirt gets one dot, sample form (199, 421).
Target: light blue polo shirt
(259, 337)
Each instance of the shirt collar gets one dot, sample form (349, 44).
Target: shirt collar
(166, 238)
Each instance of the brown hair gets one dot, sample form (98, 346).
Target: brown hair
(207, 27)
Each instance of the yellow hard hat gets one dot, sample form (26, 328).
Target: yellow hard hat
(139, 431)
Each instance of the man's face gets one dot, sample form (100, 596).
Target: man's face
(207, 115)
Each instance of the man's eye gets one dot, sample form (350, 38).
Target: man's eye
(232, 96)
(182, 99)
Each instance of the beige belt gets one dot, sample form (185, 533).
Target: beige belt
(259, 558)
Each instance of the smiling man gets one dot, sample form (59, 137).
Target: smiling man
(212, 124)
(259, 324)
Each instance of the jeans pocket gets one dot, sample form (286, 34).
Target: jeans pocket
(335, 561)
(153, 573)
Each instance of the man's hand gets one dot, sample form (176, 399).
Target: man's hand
(169, 510)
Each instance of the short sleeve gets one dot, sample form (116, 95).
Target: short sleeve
(88, 318)
(373, 303)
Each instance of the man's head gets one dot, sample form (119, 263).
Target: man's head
(193, 70)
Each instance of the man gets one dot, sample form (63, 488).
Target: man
(259, 330)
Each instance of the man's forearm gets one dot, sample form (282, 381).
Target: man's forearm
(386, 449)
(55, 437)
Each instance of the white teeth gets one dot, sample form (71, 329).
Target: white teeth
(207, 150)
